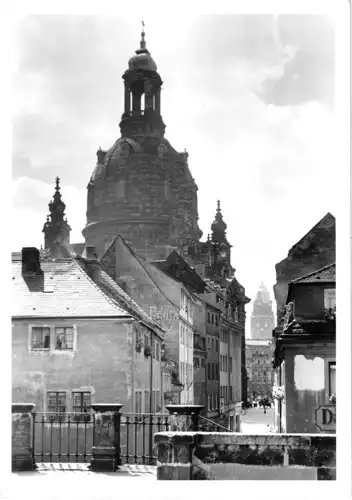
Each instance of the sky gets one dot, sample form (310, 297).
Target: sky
(251, 98)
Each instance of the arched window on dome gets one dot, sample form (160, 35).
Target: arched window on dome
(142, 103)
(153, 102)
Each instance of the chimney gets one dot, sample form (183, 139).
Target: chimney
(31, 261)
(92, 263)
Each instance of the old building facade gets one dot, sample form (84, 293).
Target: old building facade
(309, 336)
(305, 355)
(166, 300)
(73, 344)
(315, 250)
(220, 334)
(259, 355)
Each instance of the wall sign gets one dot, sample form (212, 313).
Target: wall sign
(325, 418)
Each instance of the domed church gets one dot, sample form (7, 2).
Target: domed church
(142, 188)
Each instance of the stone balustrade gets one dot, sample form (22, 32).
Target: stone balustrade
(215, 456)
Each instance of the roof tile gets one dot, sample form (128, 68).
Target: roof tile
(63, 290)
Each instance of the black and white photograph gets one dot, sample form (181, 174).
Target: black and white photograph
(176, 196)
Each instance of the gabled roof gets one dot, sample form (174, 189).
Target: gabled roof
(326, 274)
(110, 287)
(177, 268)
(327, 220)
(62, 290)
(150, 269)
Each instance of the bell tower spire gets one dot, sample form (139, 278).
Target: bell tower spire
(142, 42)
(56, 228)
(141, 117)
(218, 227)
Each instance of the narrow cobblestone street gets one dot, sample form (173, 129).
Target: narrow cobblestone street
(255, 421)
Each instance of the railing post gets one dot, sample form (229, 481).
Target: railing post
(184, 417)
(22, 437)
(106, 449)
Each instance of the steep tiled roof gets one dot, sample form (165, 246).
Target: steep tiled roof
(327, 274)
(109, 286)
(62, 290)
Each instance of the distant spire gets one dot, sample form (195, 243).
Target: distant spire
(143, 35)
(56, 228)
(218, 227)
(143, 46)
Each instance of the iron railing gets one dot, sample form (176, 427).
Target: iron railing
(137, 436)
(63, 437)
(205, 424)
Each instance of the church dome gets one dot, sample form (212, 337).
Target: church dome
(142, 59)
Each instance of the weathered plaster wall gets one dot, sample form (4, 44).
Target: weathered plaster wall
(306, 384)
(101, 364)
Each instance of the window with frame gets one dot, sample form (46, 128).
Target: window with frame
(216, 320)
(332, 378)
(230, 393)
(157, 355)
(208, 317)
(56, 404)
(329, 298)
(196, 363)
(81, 404)
(203, 362)
(40, 337)
(63, 338)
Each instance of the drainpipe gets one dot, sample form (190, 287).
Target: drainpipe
(151, 399)
(151, 374)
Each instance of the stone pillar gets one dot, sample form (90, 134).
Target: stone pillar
(184, 417)
(174, 455)
(127, 99)
(22, 436)
(157, 101)
(106, 440)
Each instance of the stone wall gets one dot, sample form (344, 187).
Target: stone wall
(234, 456)
(22, 432)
